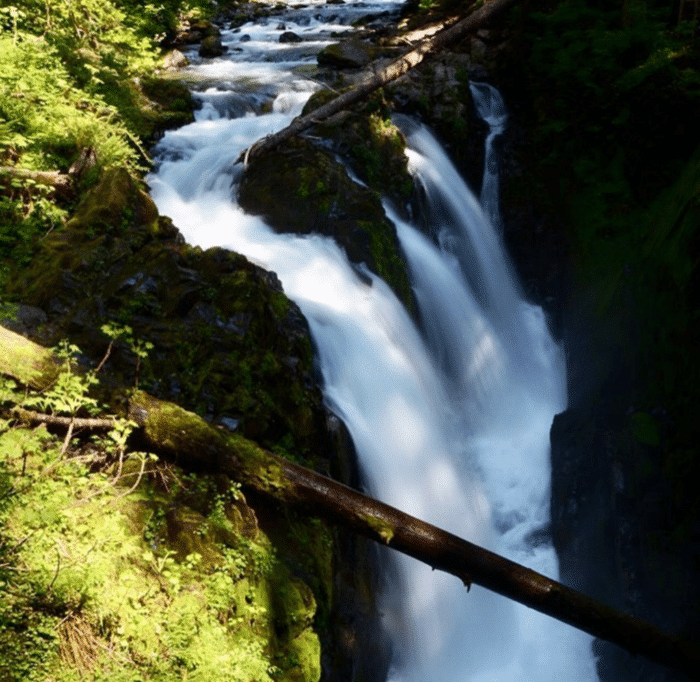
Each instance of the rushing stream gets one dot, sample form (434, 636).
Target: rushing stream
(451, 422)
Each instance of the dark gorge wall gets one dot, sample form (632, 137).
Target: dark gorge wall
(601, 204)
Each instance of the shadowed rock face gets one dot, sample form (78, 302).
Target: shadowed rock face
(227, 341)
(300, 188)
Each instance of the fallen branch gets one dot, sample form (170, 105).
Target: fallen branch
(31, 417)
(395, 70)
(195, 445)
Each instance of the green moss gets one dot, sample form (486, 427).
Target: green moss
(384, 529)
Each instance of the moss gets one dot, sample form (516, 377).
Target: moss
(384, 529)
(146, 579)
(34, 364)
(300, 188)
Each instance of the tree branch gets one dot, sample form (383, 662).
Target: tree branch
(185, 438)
(395, 70)
(31, 417)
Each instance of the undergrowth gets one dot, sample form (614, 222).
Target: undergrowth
(75, 86)
(117, 566)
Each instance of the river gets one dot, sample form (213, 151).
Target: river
(450, 421)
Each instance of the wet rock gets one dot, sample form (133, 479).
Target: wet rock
(373, 147)
(212, 47)
(290, 37)
(302, 189)
(437, 91)
(350, 54)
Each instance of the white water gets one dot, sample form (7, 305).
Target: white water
(451, 424)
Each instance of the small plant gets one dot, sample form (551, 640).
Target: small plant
(138, 347)
(69, 393)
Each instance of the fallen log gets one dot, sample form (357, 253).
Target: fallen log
(396, 69)
(61, 182)
(186, 439)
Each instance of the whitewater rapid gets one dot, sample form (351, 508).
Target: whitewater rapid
(451, 422)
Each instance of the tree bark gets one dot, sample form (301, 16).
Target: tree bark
(395, 70)
(192, 443)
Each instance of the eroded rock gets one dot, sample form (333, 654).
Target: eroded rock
(302, 189)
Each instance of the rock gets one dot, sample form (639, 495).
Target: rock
(175, 60)
(281, 27)
(221, 326)
(371, 144)
(194, 32)
(350, 54)
(290, 37)
(438, 92)
(245, 38)
(302, 189)
(212, 47)
(170, 104)
(22, 319)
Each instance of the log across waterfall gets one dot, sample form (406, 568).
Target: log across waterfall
(450, 422)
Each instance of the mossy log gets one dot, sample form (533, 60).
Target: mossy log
(196, 445)
(487, 11)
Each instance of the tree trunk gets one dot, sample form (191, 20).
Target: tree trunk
(195, 445)
(390, 73)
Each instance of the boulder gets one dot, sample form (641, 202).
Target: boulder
(303, 189)
(368, 141)
(290, 37)
(350, 54)
(212, 47)
(175, 60)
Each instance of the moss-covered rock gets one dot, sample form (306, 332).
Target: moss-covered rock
(349, 54)
(303, 189)
(227, 341)
(149, 105)
(437, 91)
(373, 147)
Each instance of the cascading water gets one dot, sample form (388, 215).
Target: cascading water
(492, 110)
(451, 423)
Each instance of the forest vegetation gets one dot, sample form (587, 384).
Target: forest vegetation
(117, 565)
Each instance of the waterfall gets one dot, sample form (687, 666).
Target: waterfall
(451, 421)
(490, 107)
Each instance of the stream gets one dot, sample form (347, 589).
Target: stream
(450, 421)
